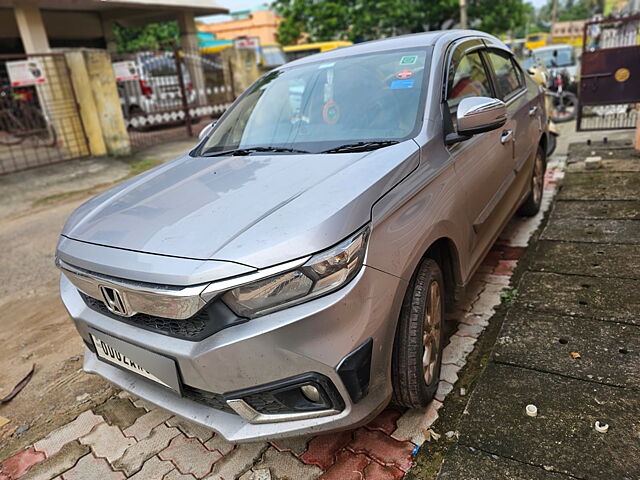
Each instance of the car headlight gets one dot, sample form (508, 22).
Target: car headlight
(323, 273)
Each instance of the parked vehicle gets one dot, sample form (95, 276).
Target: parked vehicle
(537, 40)
(21, 118)
(541, 76)
(293, 52)
(158, 88)
(558, 59)
(290, 274)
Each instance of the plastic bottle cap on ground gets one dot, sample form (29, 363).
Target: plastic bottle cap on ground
(532, 410)
(601, 428)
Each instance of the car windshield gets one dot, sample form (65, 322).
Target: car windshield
(376, 97)
(559, 57)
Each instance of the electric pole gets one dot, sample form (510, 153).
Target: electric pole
(554, 12)
(463, 14)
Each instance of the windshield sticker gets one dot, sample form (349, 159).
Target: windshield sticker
(408, 60)
(404, 74)
(408, 83)
(330, 112)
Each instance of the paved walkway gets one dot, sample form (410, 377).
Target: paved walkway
(569, 345)
(127, 437)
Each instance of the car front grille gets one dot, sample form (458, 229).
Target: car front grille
(206, 322)
(210, 399)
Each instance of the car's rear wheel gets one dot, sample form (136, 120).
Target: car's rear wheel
(531, 205)
(417, 350)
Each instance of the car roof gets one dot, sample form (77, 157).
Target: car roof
(552, 47)
(405, 41)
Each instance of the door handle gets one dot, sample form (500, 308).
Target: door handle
(533, 110)
(507, 135)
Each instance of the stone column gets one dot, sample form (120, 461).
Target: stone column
(189, 44)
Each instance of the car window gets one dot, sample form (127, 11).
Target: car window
(508, 77)
(468, 79)
(321, 105)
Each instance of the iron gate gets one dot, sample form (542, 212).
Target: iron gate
(39, 116)
(610, 74)
(169, 94)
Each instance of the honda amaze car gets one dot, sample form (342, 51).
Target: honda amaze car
(290, 274)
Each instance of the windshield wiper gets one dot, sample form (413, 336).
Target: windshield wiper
(249, 150)
(361, 146)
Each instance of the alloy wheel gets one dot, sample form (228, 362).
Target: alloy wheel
(431, 332)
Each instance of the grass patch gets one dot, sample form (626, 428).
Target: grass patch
(508, 296)
(142, 165)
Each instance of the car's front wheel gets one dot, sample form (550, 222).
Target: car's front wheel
(417, 350)
(531, 205)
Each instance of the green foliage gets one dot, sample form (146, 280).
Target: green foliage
(570, 10)
(153, 36)
(508, 296)
(358, 20)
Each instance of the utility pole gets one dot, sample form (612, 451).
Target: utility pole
(463, 14)
(554, 12)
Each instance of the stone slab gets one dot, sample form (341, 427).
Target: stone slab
(609, 164)
(593, 230)
(600, 186)
(622, 261)
(562, 437)
(62, 461)
(621, 210)
(610, 299)
(467, 463)
(609, 351)
(120, 412)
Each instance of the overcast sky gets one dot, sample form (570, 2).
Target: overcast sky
(235, 5)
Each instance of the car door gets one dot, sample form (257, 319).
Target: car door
(484, 163)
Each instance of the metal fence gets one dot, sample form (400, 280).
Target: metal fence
(610, 74)
(171, 93)
(39, 118)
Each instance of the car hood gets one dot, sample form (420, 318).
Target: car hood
(255, 210)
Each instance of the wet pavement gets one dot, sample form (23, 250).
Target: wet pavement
(569, 344)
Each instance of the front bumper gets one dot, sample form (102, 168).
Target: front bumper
(313, 337)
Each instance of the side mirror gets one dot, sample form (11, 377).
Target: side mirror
(206, 130)
(477, 115)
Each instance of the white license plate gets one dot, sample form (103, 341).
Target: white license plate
(109, 353)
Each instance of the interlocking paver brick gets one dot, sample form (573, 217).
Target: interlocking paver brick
(257, 474)
(190, 429)
(92, 468)
(119, 411)
(475, 319)
(146, 448)
(57, 439)
(385, 421)
(153, 468)
(190, 456)
(375, 471)
(59, 463)
(348, 466)
(383, 448)
(17, 465)
(457, 350)
(412, 426)
(238, 461)
(505, 267)
(176, 475)
(295, 445)
(449, 373)
(219, 444)
(107, 442)
(444, 389)
(144, 424)
(322, 449)
(286, 465)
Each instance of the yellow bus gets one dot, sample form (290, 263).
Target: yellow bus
(294, 52)
(536, 40)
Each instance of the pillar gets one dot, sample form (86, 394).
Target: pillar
(191, 50)
(31, 28)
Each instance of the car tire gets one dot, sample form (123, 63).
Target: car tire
(531, 205)
(415, 371)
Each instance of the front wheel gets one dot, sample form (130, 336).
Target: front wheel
(565, 107)
(531, 205)
(417, 350)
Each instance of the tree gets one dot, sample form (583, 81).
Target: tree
(358, 20)
(153, 36)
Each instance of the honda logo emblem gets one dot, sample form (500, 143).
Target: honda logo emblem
(113, 300)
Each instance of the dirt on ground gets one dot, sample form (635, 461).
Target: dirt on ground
(34, 325)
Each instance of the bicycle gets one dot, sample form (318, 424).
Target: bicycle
(21, 120)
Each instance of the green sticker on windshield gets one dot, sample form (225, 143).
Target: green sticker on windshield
(408, 60)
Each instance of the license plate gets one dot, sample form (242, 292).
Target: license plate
(136, 359)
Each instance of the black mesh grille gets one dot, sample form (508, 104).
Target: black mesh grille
(210, 399)
(203, 324)
(266, 403)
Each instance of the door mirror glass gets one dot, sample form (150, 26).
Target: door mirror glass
(206, 130)
(480, 114)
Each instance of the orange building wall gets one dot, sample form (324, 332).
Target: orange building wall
(261, 23)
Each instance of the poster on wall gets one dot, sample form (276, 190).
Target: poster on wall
(124, 71)
(23, 73)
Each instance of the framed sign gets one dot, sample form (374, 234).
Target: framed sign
(23, 73)
(124, 71)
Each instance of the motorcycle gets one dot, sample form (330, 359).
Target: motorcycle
(564, 104)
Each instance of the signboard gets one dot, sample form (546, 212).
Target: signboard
(124, 71)
(247, 43)
(23, 73)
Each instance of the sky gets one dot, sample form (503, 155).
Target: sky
(235, 5)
